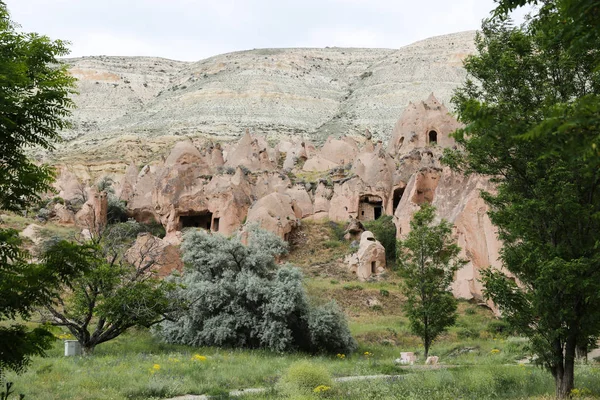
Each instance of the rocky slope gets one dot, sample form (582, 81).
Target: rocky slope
(131, 108)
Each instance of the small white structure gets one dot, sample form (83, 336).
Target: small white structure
(407, 357)
(72, 348)
(432, 360)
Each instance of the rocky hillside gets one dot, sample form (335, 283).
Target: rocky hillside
(130, 108)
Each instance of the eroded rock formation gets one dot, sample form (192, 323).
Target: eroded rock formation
(222, 187)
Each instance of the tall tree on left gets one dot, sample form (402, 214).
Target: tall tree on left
(35, 91)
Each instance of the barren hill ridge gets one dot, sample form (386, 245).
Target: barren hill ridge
(275, 92)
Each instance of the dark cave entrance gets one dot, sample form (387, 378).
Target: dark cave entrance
(196, 220)
(398, 193)
(432, 137)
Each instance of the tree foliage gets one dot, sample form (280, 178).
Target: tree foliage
(531, 110)
(241, 298)
(34, 102)
(34, 106)
(108, 295)
(427, 260)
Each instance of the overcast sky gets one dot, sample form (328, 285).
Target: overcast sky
(195, 29)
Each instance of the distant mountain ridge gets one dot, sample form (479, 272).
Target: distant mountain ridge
(125, 102)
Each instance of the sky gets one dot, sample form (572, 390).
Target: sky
(190, 30)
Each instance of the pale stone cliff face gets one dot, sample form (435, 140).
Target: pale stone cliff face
(135, 106)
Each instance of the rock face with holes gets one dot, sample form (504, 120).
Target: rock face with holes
(426, 123)
(369, 261)
(223, 186)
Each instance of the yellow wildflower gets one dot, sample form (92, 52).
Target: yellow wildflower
(175, 360)
(64, 336)
(341, 356)
(321, 389)
(495, 351)
(155, 368)
(198, 357)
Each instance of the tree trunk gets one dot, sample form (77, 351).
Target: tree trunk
(88, 349)
(564, 378)
(426, 346)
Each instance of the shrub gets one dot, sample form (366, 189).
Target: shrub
(303, 377)
(332, 244)
(498, 327)
(337, 230)
(116, 210)
(242, 299)
(329, 332)
(384, 293)
(352, 287)
(384, 231)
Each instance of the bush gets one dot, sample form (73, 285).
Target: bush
(337, 230)
(329, 332)
(303, 377)
(498, 327)
(116, 211)
(332, 244)
(242, 299)
(384, 231)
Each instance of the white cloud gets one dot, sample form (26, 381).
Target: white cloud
(195, 29)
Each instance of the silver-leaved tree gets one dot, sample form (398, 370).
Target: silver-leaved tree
(241, 297)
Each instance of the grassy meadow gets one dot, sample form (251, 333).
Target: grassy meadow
(479, 358)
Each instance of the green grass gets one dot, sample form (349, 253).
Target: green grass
(488, 382)
(124, 367)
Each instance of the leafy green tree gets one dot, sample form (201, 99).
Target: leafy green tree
(241, 298)
(109, 295)
(427, 261)
(530, 109)
(34, 104)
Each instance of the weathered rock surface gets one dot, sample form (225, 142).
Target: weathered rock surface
(203, 184)
(154, 255)
(369, 260)
(130, 107)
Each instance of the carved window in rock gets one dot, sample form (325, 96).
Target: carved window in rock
(432, 137)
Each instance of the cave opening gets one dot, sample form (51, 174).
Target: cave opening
(370, 207)
(398, 193)
(196, 220)
(432, 137)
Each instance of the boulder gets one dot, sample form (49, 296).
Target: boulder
(93, 214)
(432, 360)
(63, 215)
(340, 151)
(354, 229)
(275, 212)
(31, 232)
(152, 254)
